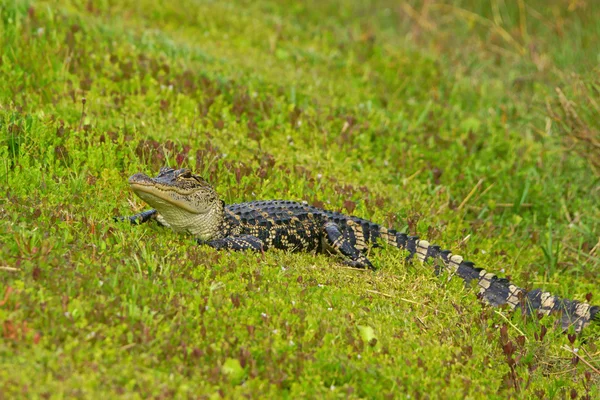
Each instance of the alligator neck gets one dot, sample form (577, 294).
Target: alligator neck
(208, 226)
(204, 226)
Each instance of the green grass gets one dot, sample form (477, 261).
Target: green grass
(474, 126)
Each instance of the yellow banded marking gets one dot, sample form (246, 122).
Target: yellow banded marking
(513, 300)
(383, 233)
(547, 301)
(360, 237)
(392, 240)
(485, 281)
(454, 262)
(583, 311)
(336, 242)
(422, 247)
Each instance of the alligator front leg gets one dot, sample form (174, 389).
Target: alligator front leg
(139, 218)
(336, 242)
(236, 243)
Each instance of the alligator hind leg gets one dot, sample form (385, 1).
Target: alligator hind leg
(336, 242)
(237, 243)
(139, 218)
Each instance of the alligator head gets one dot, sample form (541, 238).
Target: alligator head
(184, 201)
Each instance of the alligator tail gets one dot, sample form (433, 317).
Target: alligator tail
(498, 291)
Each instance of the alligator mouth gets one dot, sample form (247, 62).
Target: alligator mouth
(148, 190)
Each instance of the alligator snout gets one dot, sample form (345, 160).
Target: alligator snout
(139, 178)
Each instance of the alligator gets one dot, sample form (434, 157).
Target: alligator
(187, 203)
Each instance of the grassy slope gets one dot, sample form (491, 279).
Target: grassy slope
(441, 120)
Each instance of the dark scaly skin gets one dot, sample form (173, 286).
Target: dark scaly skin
(294, 226)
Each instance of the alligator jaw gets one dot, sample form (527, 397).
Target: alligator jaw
(153, 192)
(148, 192)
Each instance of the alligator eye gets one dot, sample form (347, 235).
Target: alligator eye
(184, 173)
